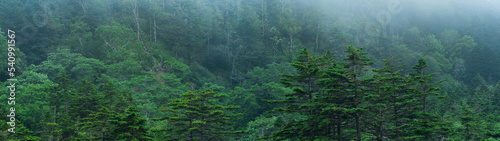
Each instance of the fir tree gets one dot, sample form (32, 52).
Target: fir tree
(96, 126)
(356, 62)
(305, 89)
(424, 124)
(198, 116)
(87, 99)
(387, 96)
(129, 126)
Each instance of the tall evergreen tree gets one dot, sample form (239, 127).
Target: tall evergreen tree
(87, 99)
(305, 89)
(304, 84)
(196, 115)
(96, 125)
(356, 62)
(386, 99)
(66, 94)
(424, 124)
(334, 106)
(129, 126)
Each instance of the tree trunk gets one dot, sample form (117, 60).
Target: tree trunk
(291, 46)
(261, 127)
(154, 26)
(208, 44)
(163, 6)
(380, 125)
(317, 42)
(135, 10)
(83, 7)
(358, 132)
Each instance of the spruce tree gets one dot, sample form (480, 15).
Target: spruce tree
(129, 126)
(424, 124)
(197, 115)
(304, 84)
(387, 96)
(333, 105)
(305, 89)
(85, 103)
(87, 99)
(66, 94)
(96, 125)
(356, 62)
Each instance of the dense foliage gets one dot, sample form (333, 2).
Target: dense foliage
(251, 70)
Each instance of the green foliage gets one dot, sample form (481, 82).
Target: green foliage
(198, 116)
(261, 127)
(177, 67)
(87, 99)
(385, 103)
(125, 70)
(75, 64)
(129, 126)
(96, 126)
(247, 101)
(99, 70)
(270, 73)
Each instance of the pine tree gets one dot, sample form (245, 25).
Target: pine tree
(129, 126)
(356, 62)
(425, 125)
(469, 121)
(65, 93)
(198, 116)
(333, 106)
(304, 84)
(85, 103)
(96, 125)
(87, 99)
(305, 89)
(109, 93)
(386, 99)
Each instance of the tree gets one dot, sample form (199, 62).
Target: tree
(86, 100)
(426, 125)
(334, 107)
(129, 126)
(196, 115)
(65, 94)
(248, 101)
(305, 89)
(304, 84)
(356, 61)
(387, 99)
(96, 126)
(289, 27)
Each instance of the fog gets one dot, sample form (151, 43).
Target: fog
(397, 15)
(250, 69)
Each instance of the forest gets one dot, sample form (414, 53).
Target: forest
(249, 70)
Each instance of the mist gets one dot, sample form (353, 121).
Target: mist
(224, 70)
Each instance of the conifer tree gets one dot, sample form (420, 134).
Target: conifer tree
(198, 116)
(129, 126)
(96, 125)
(332, 106)
(84, 103)
(356, 62)
(386, 98)
(305, 88)
(304, 84)
(65, 93)
(424, 124)
(87, 99)
(109, 93)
